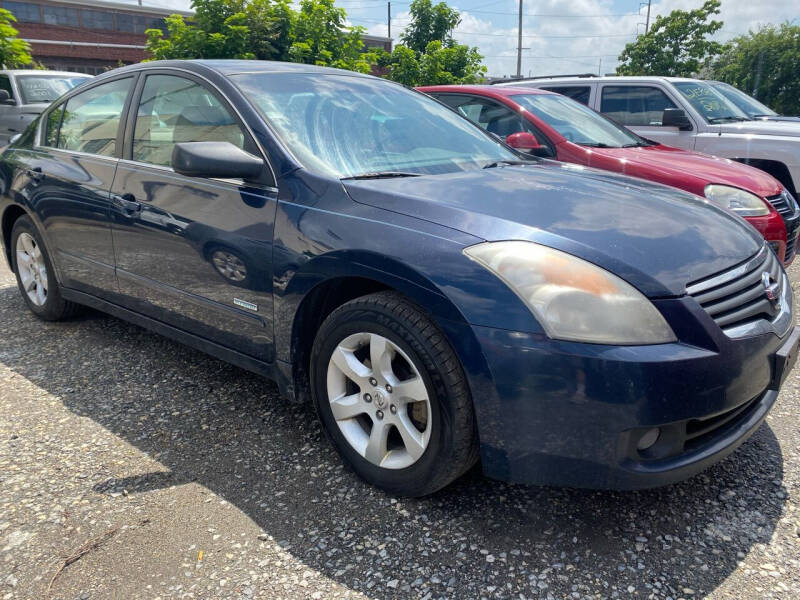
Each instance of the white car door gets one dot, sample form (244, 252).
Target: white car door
(640, 107)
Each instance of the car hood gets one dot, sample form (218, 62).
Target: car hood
(657, 238)
(781, 128)
(664, 164)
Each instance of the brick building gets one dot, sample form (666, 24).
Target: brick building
(90, 36)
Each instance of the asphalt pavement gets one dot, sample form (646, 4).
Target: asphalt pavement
(133, 467)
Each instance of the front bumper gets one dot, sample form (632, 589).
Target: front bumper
(571, 414)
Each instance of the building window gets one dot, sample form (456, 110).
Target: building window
(97, 19)
(60, 15)
(125, 22)
(24, 11)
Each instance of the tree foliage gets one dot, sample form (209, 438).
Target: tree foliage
(14, 52)
(322, 37)
(429, 55)
(430, 23)
(318, 33)
(676, 45)
(764, 64)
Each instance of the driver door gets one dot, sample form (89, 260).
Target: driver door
(193, 252)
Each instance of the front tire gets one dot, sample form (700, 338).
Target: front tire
(392, 395)
(36, 277)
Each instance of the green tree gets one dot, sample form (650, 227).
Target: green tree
(14, 52)
(765, 64)
(218, 30)
(323, 38)
(676, 45)
(271, 24)
(430, 23)
(430, 55)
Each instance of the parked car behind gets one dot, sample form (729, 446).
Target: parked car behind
(25, 94)
(749, 105)
(438, 297)
(689, 114)
(569, 131)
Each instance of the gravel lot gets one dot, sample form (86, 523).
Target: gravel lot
(163, 473)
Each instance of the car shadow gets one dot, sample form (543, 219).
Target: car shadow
(208, 422)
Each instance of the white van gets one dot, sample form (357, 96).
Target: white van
(686, 113)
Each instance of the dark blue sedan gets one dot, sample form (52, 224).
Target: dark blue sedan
(439, 298)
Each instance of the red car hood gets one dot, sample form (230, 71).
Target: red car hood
(690, 171)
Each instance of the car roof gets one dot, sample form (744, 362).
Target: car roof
(42, 72)
(484, 90)
(234, 66)
(588, 80)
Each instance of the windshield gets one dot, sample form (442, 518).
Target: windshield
(348, 126)
(576, 122)
(710, 103)
(45, 88)
(747, 104)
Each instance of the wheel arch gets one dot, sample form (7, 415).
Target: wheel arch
(318, 289)
(10, 216)
(776, 168)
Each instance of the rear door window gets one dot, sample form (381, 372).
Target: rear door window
(579, 93)
(91, 119)
(636, 106)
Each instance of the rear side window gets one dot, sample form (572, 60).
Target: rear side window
(5, 84)
(578, 93)
(173, 110)
(635, 105)
(91, 118)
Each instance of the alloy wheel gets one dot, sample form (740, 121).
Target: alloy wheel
(379, 400)
(32, 269)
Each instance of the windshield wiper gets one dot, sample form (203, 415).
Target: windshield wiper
(722, 119)
(510, 163)
(381, 175)
(596, 145)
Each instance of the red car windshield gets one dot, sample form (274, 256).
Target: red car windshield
(578, 123)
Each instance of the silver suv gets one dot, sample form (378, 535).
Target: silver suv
(686, 113)
(25, 94)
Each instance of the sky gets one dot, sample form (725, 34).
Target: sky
(559, 36)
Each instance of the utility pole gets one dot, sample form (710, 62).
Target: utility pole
(600, 66)
(647, 20)
(389, 18)
(519, 43)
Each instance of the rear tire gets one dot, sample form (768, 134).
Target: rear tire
(415, 432)
(36, 277)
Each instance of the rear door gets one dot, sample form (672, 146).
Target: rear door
(66, 179)
(640, 107)
(190, 251)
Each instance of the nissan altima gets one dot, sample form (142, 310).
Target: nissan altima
(438, 297)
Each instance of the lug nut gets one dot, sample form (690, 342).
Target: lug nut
(373, 381)
(379, 414)
(393, 408)
(388, 388)
(367, 398)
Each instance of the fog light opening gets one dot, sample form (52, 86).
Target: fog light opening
(649, 439)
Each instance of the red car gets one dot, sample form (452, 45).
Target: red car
(554, 126)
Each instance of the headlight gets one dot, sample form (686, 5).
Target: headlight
(572, 298)
(742, 203)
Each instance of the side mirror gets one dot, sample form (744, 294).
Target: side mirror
(527, 142)
(522, 140)
(5, 98)
(215, 159)
(676, 117)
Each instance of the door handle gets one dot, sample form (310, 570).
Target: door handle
(35, 174)
(127, 204)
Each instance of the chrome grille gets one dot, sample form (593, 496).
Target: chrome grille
(787, 208)
(738, 296)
